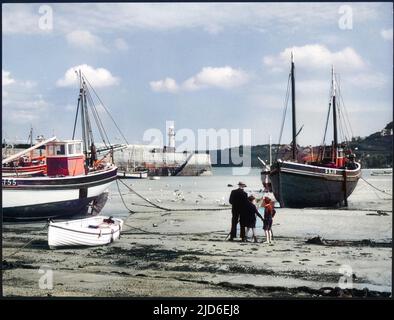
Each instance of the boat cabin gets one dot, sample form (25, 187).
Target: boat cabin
(65, 158)
(333, 157)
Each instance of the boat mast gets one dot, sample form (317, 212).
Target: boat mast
(83, 106)
(270, 151)
(334, 112)
(293, 111)
(31, 136)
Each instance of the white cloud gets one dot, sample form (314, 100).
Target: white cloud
(121, 44)
(209, 77)
(86, 40)
(224, 77)
(387, 34)
(6, 78)
(166, 85)
(315, 56)
(98, 77)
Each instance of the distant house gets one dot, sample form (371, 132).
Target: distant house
(386, 132)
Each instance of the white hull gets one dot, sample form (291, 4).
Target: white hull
(78, 233)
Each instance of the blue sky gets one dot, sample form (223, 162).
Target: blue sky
(201, 65)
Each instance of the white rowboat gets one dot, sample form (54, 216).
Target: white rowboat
(94, 231)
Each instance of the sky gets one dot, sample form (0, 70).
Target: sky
(201, 65)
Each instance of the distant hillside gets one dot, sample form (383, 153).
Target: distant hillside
(374, 151)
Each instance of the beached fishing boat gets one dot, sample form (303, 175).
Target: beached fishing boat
(93, 231)
(75, 182)
(26, 163)
(322, 179)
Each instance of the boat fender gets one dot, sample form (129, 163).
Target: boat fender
(99, 234)
(112, 235)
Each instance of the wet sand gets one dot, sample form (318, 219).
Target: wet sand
(184, 254)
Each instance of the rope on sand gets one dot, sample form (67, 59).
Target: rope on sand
(168, 209)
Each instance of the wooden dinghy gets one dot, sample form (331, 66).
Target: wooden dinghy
(94, 231)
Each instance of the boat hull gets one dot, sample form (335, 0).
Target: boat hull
(75, 235)
(42, 198)
(298, 186)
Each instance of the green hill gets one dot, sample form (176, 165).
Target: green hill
(374, 151)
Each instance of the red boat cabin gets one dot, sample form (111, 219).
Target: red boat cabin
(65, 158)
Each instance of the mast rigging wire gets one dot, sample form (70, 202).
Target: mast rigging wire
(106, 110)
(284, 115)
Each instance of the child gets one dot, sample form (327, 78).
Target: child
(250, 217)
(269, 213)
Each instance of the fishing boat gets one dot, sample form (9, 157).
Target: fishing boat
(25, 163)
(76, 179)
(142, 174)
(323, 179)
(93, 231)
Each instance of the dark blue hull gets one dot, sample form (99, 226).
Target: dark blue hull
(298, 186)
(59, 210)
(49, 210)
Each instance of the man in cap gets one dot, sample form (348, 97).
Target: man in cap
(238, 200)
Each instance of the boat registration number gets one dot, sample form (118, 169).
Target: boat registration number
(8, 182)
(331, 171)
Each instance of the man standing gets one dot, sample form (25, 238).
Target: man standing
(238, 200)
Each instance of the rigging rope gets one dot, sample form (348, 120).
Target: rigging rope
(100, 126)
(284, 115)
(106, 110)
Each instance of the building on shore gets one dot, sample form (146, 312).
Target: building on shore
(163, 161)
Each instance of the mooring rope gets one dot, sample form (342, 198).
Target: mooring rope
(375, 187)
(26, 244)
(121, 197)
(170, 209)
(171, 233)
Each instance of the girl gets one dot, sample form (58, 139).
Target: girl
(250, 217)
(269, 213)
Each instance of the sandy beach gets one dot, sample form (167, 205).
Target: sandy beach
(184, 253)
